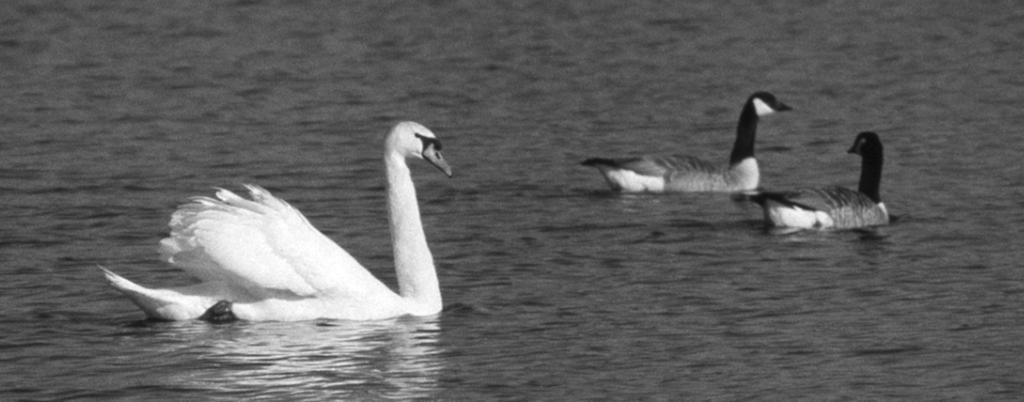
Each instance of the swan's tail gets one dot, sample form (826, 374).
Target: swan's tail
(122, 285)
(160, 304)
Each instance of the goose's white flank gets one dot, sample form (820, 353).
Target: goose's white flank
(259, 259)
(833, 207)
(658, 174)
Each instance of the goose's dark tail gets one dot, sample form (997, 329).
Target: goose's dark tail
(598, 161)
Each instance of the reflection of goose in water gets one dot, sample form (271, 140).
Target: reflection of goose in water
(260, 259)
(395, 359)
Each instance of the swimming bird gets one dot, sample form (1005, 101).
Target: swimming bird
(657, 174)
(260, 259)
(833, 206)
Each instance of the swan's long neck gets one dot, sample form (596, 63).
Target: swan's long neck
(414, 265)
(746, 133)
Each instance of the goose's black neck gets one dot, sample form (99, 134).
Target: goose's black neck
(746, 133)
(871, 174)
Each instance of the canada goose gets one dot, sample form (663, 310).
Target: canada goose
(658, 174)
(833, 206)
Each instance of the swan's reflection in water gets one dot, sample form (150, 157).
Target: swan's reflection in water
(391, 359)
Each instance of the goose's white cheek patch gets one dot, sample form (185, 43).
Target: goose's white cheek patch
(762, 108)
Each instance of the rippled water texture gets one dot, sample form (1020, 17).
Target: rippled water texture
(114, 112)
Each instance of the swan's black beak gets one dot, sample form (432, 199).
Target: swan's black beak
(432, 153)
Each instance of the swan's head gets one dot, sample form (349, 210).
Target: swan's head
(867, 144)
(413, 140)
(765, 103)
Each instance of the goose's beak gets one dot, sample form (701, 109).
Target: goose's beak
(435, 158)
(855, 149)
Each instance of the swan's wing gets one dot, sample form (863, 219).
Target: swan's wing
(262, 245)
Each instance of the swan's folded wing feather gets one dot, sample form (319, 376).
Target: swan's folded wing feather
(321, 262)
(261, 244)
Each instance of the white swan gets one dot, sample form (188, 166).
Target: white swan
(261, 260)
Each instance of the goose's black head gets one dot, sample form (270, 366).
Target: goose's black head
(867, 144)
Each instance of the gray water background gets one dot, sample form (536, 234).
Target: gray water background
(114, 112)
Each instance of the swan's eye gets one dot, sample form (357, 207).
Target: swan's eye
(428, 141)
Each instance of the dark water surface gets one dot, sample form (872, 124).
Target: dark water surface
(113, 112)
